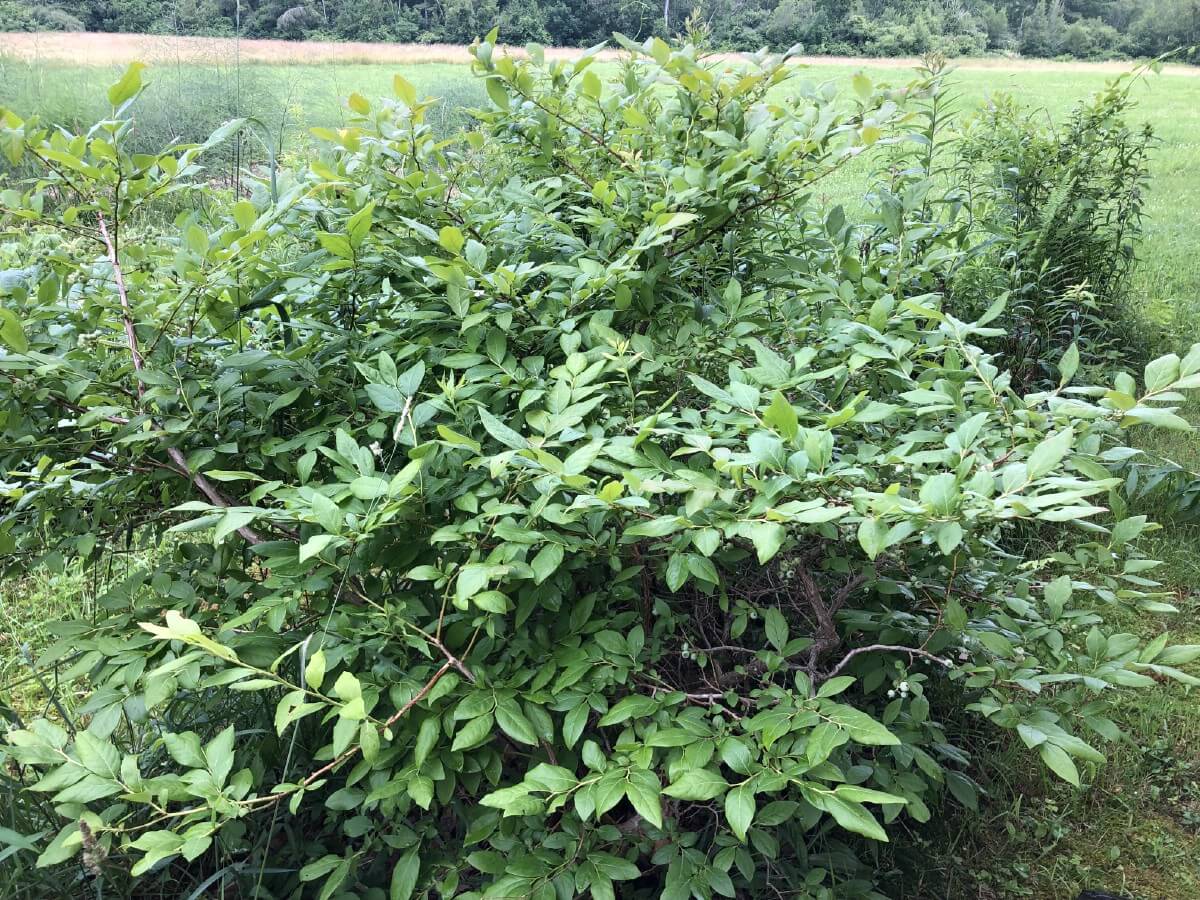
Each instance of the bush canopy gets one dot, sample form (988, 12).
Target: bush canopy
(574, 505)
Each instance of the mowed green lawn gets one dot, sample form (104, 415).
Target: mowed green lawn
(1138, 828)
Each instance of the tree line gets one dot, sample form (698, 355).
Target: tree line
(1044, 28)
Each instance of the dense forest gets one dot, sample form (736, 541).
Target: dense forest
(1079, 28)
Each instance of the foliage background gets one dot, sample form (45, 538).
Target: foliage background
(1043, 28)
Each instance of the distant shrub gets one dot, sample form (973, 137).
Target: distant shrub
(1091, 38)
(1062, 205)
(995, 25)
(1043, 29)
(16, 15)
(375, 20)
(121, 15)
(1165, 25)
(294, 21)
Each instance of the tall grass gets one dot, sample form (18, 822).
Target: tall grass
(183, 104)
(186, 100)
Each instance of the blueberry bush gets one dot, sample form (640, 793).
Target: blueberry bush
(571, 506)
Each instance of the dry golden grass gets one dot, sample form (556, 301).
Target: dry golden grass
(117, 49)
(109, 49)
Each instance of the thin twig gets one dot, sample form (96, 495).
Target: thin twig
(347, 754)
(451, 659)
(708, 697)
(897, 648)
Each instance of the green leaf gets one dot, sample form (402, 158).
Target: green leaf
(643, 792)
(1068, 365)
(11, 332)
(835, 686)
(574, 722)
(156, 845)
(781, 416)
(1161, 372)
(1177, 655)
(335, 879)
(949, 536)
(591, 85)
(488, 861)
(314, 672)
(739, 809)
(218, 755)
(671, 737)
(855, 817)
(474, 733)
(631, 707)
(386, 398)
(866, 795)
(1059, 762)
(472, 579)
(185, 749)
(963, 790)
(513, 723)
(546, 562)
(658, 527)
(491, 601)
(767, 538)
(872, 537)
(327, 513)
(862, 85)
(711, 390)
(501, 432)
(128, 85)
(698, 785)
(427, 736)
(404, 89)
(62, 848)
(234, 518)
(451, 238)
(822, 741)
(1157, 418)
(554, 779)
(337, 244)
(88, 789)
(940, 492)
(317, 543)
(1049, 453)
(315, 869)
(677, 571)
(776, 627)
(404, 875)
(497, 91)
(359, 225)
(860, 726)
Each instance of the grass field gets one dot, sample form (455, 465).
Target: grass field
(118, 49)
(1137, 829)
